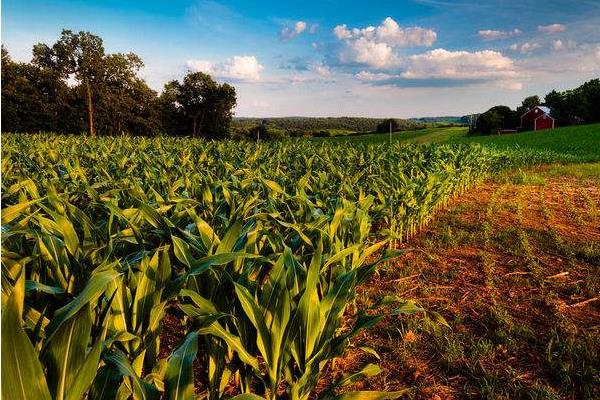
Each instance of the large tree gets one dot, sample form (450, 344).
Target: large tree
(498, 117)
(117, 100)
(79, 55)
(198, 105)
(125, 103)
(33, 98)
(527, 104)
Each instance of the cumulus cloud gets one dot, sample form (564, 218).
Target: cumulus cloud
(460, 65)
(526, 47)
(552, 28)
(288, 33)
(390, 33)
(490, 34)
(442, 67)
(236, 68)
(369, 52)
(375, 46)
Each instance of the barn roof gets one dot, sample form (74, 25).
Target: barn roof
(544, 109)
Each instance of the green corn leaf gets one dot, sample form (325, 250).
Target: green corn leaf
(230, 238)
(94, 289)
(367, 371)
(200, 266)
(365, 395)
(206, 306)
(86, 374)
(22, 374)
(40, 287)
(179, 377)
(141, 390)
(255, 316)
(64, 354)
(106, 383)
(247, 396)
(233, 341)
(145, 291)
(11, 212)
(182, 251)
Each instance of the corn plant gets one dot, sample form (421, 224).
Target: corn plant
(256, 251)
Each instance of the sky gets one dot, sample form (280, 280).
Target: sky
(402, 59)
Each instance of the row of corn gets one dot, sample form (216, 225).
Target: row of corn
(255, 251)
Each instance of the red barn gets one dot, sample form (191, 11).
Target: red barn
(536, 119)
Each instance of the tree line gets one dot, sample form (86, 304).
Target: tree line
(576, 106)
(75, 86)
(319, 126)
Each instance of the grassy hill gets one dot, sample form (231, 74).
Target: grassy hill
(581, 141)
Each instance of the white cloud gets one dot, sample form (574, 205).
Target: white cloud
(389, 32)
(322, 70)
(526, 47)
(598, 54)
(342, 32)
(236, 68)
(446, 66)
(368, 52)
(459, 65)
(490, 34)
(288, 33)
(374, 46)
(367, 76)
(201, 66)
(553, 28)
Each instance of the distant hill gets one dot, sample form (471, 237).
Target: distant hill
(315, 125)
(442, 120)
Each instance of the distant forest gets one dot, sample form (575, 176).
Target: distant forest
(323, 126)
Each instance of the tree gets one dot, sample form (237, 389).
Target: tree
(384, 126)
(498, 117)
(125, 103)
(527, 104)
(33, 98)
(80, 55)
(198, 105)
(117, 100)
(489, 122)
(589, 99)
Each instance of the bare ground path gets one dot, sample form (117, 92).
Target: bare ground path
(514, 267)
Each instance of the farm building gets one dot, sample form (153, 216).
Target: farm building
(536, 119)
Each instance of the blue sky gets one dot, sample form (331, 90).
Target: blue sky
(332, 58)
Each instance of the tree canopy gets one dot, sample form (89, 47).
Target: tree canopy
(198, 105)
(74, 86)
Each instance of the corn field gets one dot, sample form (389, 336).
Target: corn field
(255, 250)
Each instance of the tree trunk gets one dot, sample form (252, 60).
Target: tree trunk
(194, 129)
(92, 132)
